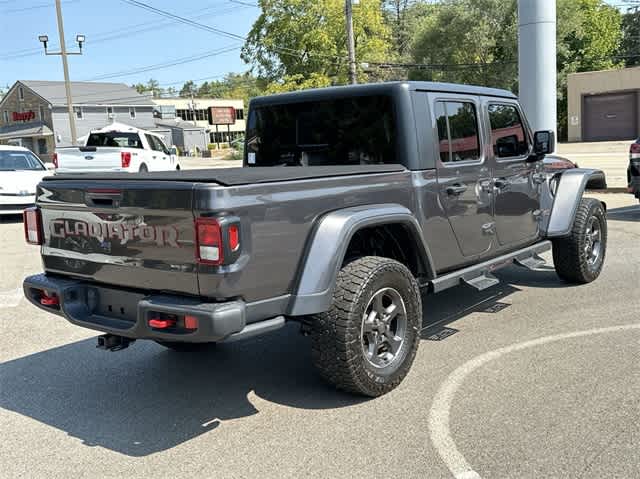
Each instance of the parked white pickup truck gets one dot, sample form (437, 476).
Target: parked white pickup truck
(116, 147)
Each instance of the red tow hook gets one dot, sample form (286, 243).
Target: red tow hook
(47, 300)
(161, 323)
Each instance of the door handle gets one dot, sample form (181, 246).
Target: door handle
(457, 189)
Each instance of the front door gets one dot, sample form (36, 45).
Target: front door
(517, 182)
(464, 178)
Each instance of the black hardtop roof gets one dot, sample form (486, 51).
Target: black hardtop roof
(388, 88)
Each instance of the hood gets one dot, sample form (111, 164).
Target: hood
(21, 181)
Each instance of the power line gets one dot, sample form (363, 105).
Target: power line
(131, 30)
(159, 66)
(202, 26)
(33, 7)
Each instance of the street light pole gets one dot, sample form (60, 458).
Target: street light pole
(65, 67)
(350, 41)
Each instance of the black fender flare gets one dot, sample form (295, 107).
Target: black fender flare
(328, 246)
(562, 198)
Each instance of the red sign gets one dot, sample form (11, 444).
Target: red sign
(222, 115)
(23, 115)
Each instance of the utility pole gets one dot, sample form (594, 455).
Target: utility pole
(351, 47)
(65, 66)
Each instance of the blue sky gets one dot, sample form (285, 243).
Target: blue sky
(122, 37)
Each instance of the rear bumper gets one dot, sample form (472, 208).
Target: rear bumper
(14, 205)
(126, 313)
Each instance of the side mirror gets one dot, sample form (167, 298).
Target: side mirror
(544, 143)
(50, 166)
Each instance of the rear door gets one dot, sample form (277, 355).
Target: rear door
(464, 178)
(136, 234)
(517, 182)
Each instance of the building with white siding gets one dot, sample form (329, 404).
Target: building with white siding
(34, 113)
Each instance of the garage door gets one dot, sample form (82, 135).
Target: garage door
(610, 117)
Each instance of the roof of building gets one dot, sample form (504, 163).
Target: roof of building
(21, 130)
(88, 93)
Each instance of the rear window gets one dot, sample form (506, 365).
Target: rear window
(348, 131)
(115, 139)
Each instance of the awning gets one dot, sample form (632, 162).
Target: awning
(26, 130)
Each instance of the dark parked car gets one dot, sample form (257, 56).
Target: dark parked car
(633, 172)
(351, 203)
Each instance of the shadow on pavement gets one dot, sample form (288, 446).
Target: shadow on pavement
(628, 213)
(146, 399)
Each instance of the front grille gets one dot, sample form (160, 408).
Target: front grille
(16, 207)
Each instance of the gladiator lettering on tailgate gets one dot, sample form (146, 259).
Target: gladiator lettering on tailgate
(161, 235)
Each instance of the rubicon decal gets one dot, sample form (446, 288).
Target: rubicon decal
(161, 235)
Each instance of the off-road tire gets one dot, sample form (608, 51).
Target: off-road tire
(180, 347)
(336, 334)
(569, 254)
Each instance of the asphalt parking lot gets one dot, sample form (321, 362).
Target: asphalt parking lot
(531, 378)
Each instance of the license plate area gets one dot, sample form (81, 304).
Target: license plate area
(114, 304)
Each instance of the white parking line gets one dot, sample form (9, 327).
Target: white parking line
(11, 298)
(439, 430)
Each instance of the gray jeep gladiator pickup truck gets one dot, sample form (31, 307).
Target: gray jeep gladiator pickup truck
(352, 201)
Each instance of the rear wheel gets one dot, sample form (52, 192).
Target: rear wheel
(368, 339)
(186, 347)
(579, 257)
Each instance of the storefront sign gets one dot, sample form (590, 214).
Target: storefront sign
(222, 115)
(23, 115)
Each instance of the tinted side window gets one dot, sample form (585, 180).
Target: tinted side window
(443, 132)
(342, 131)
(507, 132)
(461, 142)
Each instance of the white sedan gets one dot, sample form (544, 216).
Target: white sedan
(20, 173)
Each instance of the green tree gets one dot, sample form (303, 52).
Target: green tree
(299, 82)
(301, 37)
(630, 47)
(188, 89)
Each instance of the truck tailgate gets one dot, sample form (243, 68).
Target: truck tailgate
(72, 160)
(138, 235)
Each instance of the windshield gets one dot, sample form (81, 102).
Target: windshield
(349, 131)
(115, 139)
(19, 160)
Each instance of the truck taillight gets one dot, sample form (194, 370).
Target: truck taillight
(218, 240)
(209, 248)
(32, 226)
(125, 158)
(55, 160)
(635, 148)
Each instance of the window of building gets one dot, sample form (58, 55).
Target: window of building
(5, 116)
(109, 112)
(20, 93)
(77, 110)
(41, 112)
(457, 131)
(132, 113)
(240, 114)
(507, 132)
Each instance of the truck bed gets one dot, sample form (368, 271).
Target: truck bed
(238, 176)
